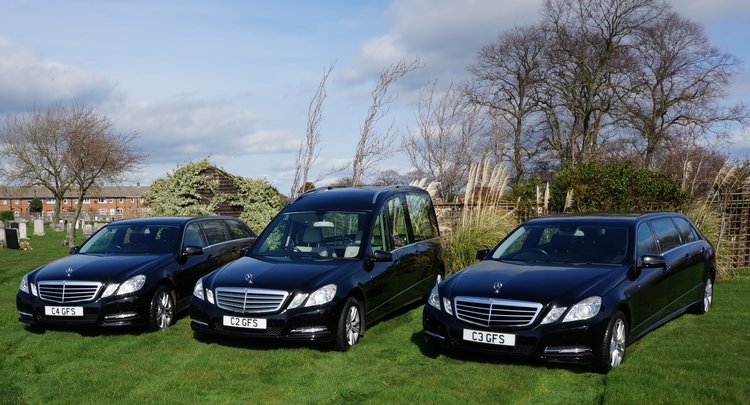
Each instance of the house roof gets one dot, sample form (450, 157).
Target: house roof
(28, 192)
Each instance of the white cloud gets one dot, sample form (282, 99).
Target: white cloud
(444, 34)
(28, 80)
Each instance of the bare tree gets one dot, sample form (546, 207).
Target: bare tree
(308, 150)
(678, 85)
(65, 148)
(372, 146)
(507, 76)
(34, 148)
(444, 145)
(97, 154)
(587, 57)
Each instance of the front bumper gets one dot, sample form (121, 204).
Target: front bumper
(576, 342)
(302, 324)
(111, 311)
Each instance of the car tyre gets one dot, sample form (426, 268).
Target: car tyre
(705, 304)
(161, 313)
(351, 325)
(612, 347)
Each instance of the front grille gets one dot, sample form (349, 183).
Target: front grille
(65, 292)
(250, 300)
(491, 312)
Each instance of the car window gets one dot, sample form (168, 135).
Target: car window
(194, 236)
(420, 216)
(646, 244)
(216, 231)
(133, 238)
(666, 233)
(397, 222)
(686, 231)
(379, 240)
(237, 230)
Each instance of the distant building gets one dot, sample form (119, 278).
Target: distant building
(102, 202)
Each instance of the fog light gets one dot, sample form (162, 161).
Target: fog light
(123, 315)
(312, 329)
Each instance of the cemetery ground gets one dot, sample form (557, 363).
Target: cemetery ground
(691, 360)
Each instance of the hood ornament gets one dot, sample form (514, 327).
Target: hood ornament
(497, 286)
(249, 278)
(69, 271)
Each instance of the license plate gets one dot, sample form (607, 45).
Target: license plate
(492, 338)
(248, 323)
(63, 311)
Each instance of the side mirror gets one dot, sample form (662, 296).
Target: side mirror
(653, 261)
(245, 251)
(74, 249)
(382, 256)
(482, 253)
(192, 251)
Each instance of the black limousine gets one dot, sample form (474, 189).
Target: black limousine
(131, 272)
(574, 288)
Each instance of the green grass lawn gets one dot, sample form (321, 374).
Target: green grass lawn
(692, 360)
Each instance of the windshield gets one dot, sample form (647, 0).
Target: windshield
(565, 243)
(319, 234)
(134, 238)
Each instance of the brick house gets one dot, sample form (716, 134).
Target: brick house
(103, 202)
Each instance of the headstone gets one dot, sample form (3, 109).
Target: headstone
(22, 231)
(38, 227)
(2, 233)
(11, 238)
(14, 225)
(88, 230)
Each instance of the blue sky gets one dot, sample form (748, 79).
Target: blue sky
(232, 79)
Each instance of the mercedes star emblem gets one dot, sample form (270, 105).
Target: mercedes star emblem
(249, 278)
(497, 286)
(69, 271)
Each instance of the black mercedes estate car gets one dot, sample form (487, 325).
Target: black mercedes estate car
(331, 262)
(131, 272)
(574, 288)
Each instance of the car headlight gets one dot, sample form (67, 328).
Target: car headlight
(554, 314)
(210, 296)
(321, 296)
(24, 284)
(448, 306)
(110, 290)
(133, 284)
(298, 299)
(434, 299)
(198, 289)
(586, 309)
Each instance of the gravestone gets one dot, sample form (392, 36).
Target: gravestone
(11, 238)
(22, 231)
(38, 227)
(88, 230)
(2, 233)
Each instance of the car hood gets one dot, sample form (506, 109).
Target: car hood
(535, 282)
(104, 268)
(279, 275)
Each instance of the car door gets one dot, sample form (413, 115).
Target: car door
(696, 249)
(648, 297)
(389, 278)
(223, 248)
(192, 266)
(677, 255)
(427, 250)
